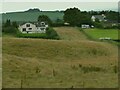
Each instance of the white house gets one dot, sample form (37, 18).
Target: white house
(33, 28)
(99, 17)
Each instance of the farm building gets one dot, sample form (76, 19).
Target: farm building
(85, 26)
(33, 28)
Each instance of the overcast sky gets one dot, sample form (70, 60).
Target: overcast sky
(21, 6)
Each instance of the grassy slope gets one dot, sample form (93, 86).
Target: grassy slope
(70, 33)
(58, 61)
(31, 16)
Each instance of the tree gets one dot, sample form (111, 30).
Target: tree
(9, 28)
(58, 20)
(85, 18)
(75, 17)
(112, 15)
(14, 24)
(7, 23)
(44, 18)
(72, 16)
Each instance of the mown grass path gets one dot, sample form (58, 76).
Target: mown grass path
(70, 33)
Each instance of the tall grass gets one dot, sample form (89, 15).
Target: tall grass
(59, 63)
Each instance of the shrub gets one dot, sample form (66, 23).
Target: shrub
(31, 35)
(110, 27)
(91, 69)
(10, 30)
(115, 69)
(51, 34)
(98, 25)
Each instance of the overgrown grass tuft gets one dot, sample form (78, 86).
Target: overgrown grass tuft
(115, 69)
(87, 69)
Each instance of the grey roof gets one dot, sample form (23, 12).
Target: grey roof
(100, 17)
(25, 23)
(38, 24)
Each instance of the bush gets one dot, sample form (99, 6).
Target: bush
(10, 30)
(31, 35)
(51, 34)
(118, 26)
(115, 69)
(98, 25)
(110, 27)
(91, 69)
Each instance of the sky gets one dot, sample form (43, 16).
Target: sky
(14, 6)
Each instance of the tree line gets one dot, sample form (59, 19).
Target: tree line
(9, 27)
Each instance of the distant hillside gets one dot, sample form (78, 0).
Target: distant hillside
(33, 10)
(31, 15)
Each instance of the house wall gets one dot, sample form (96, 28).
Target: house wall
(41, 29)
(33, 29)
(28, 30)
(93, 18)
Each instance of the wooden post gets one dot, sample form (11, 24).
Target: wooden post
(53, 72)
(21, 83)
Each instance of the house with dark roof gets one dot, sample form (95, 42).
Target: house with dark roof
(99, 17)
(39, 27)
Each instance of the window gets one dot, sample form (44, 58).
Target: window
(42, 23)
(24, 29)
(42, 29)
(27, 25)
(30, 28)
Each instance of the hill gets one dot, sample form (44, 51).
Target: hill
(31, 15)
(33, 10)
(73, 61)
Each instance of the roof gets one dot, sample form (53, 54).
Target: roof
(25, 23)
(37, 24)
(113, 21)
(100, 17)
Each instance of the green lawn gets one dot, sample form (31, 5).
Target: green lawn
(102, 33)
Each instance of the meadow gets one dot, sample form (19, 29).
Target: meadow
(72, 62)
(102, 33)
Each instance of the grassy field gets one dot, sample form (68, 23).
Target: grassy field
(101, 33)
(70, 33)
(73, 61)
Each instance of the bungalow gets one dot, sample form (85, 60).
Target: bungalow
(33, 28)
